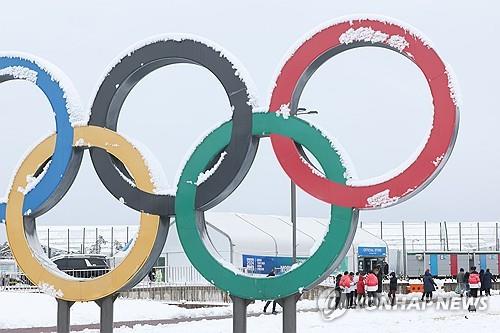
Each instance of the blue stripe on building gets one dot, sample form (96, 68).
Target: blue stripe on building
(434, 264)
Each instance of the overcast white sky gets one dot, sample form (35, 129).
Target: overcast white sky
(375, 102)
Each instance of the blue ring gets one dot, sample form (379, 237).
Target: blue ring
(44, 190)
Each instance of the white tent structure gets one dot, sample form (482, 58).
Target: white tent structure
(236, 235)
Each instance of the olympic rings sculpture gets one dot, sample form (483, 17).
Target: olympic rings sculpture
(217, 165)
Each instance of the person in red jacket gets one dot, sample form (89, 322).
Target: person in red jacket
(371, 287)
(474, 282)
(345, 285)
(360, 290)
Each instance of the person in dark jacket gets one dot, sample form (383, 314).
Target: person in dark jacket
(429, 286)
(380, 277)
(393, 286)
(467, 286)
(461, 283)
(488, 280)
(338, 290)
(152, 275)
(481, 279)
(272, 273)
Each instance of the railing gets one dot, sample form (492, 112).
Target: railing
(163, 276)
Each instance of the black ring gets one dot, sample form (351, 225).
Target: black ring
(115, 88)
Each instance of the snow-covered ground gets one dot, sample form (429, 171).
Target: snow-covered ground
(28, 310)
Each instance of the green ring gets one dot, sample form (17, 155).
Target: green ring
(327, 257)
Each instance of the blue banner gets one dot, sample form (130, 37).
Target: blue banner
(372, 251)
(265, 264)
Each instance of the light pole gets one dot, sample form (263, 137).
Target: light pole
(293, 196)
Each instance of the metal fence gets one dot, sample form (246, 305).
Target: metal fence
(436, 236)
(404, 235)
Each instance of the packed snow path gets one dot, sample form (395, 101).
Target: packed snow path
(37, 310)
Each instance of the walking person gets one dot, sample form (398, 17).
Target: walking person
(429, 286)
(272, 273)
(371, 283)
(488, 280)
(460, 283)
(474, 282)
(393, 287)
(481, 280)
(360, 290)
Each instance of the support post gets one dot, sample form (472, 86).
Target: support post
(106, 305)
(293, 213)
(381, 232)
(289, 305)
(240, 314)
(68, 240)
(83, 245)
(63, 315)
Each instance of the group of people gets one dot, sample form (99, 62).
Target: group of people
(472, 282)
(360, 288)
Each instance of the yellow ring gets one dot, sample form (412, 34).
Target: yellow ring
(64, 286)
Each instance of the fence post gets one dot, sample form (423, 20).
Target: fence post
(48, 243)
(447, 248)
(112, 244)
(440, 236)
(425, 235)
(496, 236)
(460, 236)
(404, 247)
(478, 237)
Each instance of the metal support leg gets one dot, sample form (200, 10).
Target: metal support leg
(63, 315)
(106, 305)
(240, 314)
(289, 305)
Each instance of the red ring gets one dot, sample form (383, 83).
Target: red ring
(420, 172)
